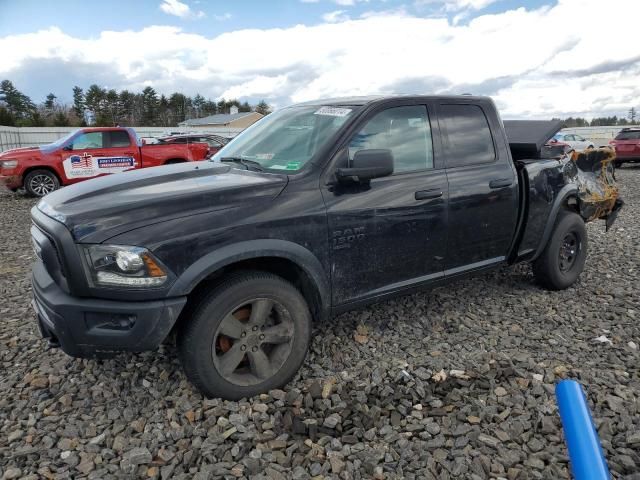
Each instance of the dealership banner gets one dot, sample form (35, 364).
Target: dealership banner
(85, 165)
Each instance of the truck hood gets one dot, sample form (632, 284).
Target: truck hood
(20, 152)
(99, 209)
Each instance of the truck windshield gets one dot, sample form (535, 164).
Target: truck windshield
(61, 141)
(286, 139)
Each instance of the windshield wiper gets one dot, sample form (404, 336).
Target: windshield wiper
(247, 164)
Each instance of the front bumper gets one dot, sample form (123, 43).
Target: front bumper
(12, 182)
(89, 327)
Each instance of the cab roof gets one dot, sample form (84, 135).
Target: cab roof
(365, 100)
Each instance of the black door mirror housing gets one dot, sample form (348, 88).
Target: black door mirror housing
(67, 148)
(367, 164)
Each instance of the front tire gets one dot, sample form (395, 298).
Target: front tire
(563, 259)
(246, 337)
(39, 183)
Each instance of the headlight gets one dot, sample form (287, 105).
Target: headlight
(8, 163)
(123, 266)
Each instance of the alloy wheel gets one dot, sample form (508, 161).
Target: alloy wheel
(42, 185)
(253, 341)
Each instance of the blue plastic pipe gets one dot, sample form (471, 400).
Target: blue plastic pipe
(585, 452)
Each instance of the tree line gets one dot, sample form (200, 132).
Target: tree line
(103, 107)
(108, 107)
(612, 121)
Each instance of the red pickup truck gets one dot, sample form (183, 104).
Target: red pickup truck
(88, 153)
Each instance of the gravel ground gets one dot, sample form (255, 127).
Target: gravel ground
(454, 383)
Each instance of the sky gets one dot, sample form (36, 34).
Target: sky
(536, 58)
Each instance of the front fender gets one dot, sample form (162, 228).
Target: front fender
(259, 248)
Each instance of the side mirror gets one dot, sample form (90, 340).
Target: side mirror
(67, 148)
(367, 164)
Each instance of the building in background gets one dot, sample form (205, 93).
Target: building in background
(234, 119)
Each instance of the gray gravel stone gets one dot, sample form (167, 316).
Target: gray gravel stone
(138, 456)
(380, 409)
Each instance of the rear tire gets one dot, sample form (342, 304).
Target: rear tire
(39, 183)
(247, 336)
(563, 258)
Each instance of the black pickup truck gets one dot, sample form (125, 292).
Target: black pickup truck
(318, 208)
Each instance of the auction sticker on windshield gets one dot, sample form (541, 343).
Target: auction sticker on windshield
(288, 166)
(333, 111)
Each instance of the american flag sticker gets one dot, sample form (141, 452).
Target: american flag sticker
(81, 161)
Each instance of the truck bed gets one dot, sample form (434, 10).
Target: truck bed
(588, 175)
(527, 137)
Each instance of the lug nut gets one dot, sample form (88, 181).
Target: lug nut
(261, 337)
(244, 334)
(255, 328)
(254, 349)
(243, 348)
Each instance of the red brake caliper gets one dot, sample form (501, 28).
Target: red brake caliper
(242, 315)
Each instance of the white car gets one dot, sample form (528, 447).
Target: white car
(574, 141)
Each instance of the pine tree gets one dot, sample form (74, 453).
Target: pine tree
(17, 103)
(263, 108)
(198, 105)
(95, 103)
(50, 102)
(149, 106)
(177, 107)
(78, 103)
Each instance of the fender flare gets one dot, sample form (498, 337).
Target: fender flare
(236, 252)
(564, 193)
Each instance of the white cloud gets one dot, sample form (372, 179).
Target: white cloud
(455, 5)
(179, 9)
(532, 62)
(349, 3)
(335, 16)
(223, 17)
(393, 12)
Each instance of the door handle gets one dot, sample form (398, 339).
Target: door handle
(500, 183)
(428, 194)
(129, 153)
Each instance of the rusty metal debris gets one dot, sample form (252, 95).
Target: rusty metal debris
(593, 173)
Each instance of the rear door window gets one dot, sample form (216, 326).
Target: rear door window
(119, 139)
(628, 135)
(210, 141)
(466, 135)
